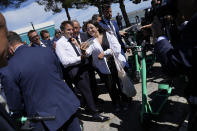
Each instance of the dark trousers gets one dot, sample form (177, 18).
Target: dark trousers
(192, 122)
(71, 125)
(79, 76)
(93, 83)
(112, 80)
(111, 86)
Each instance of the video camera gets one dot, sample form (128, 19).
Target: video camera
(167, 13)
(160, 9)
(136, 35)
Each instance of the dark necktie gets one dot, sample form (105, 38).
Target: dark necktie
(74, 47)
(112, 29)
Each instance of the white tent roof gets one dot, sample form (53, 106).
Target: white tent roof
(38, 26)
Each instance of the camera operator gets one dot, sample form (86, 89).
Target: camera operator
(181, 59)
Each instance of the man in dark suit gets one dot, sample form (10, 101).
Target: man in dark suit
(111, 25)
(34, 38)
(82, 37)
(33, 82)
(181, 59)
(119, 20)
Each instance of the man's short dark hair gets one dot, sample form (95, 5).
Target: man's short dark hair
(105, 7)
(64, 23)
(31, 31)
(13, 38)
(57, 31)
(95, 16)
(42, 33)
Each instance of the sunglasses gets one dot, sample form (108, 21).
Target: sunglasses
(33, 37)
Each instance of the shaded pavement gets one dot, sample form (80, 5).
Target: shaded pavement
(170, 119)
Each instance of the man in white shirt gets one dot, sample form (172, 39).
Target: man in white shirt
(75, 66)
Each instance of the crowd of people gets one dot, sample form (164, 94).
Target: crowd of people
(57, 77)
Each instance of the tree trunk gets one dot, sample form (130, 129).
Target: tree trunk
(67, 13)
(124, 13)
(99, 9)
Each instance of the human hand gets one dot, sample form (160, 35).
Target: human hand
(54, 45)
(101, 56)
(74, 41)
(128, 51)
(83, 47)
(122, 33)
(156, 27)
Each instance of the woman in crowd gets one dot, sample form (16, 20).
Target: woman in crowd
(103, 46)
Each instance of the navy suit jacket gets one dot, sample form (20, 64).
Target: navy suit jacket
(182, 58)
(84, 36)
(47, 43)
(104, 24)
(33, 82)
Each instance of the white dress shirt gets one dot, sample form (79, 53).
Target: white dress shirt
(95, 49)
(66, 53)
(42, 44)
(79, 38)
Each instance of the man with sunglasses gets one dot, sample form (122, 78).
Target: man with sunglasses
(57, 36)
(34, 38)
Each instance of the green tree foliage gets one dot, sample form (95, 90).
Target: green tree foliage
(10, 3)
(56, 6)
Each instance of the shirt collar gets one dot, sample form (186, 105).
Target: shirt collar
(107, 21)
(17, 48)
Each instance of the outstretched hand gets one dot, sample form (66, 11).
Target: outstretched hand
(101, 56)
(74, 41)
(83, 47)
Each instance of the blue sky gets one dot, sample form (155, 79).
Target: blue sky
(32, 12)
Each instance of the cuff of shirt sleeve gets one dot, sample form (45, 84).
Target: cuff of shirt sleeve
(78, 58)
(108, 52)
(161, 38)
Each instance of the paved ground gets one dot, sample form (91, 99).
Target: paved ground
(171, 118)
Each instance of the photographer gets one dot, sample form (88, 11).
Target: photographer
(180, 59)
